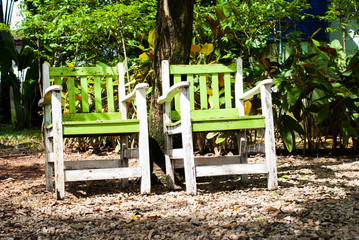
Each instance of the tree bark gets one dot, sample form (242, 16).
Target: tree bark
(173, 42)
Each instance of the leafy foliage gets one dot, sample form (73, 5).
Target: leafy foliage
(83, 32)
(316, 92)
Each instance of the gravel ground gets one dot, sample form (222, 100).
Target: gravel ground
(317, 198)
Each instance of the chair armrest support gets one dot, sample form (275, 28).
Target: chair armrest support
(132, 95)
(47, 95)
(249, 94)
(171, 93)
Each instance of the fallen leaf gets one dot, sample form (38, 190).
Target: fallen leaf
(272, 209)
(76, 226)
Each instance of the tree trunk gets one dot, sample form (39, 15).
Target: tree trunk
(173, 42)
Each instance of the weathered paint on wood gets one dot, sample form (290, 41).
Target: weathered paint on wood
(187, 143)
(95, 116)
(102, 174)
(203, 110)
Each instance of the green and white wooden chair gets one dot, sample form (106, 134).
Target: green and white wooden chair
(186, 117)
(91, 110)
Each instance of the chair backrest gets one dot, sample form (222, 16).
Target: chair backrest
(212, 86)
(90, 89)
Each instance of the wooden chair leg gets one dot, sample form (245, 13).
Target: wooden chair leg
(123, 160)
(58, 146)
(49, 163)
(143, 142)
(170, 176)
(269, 139)
(187, 143)
(145, 163)
(242, 144)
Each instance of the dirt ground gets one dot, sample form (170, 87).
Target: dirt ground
(317, 198)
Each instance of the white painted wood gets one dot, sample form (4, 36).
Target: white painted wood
(132, 153)
(256, 148)
(132, 95)
(121, 91)
(49, 155)
(231, 169)
(269, 140)
(94, 169)
(177, 153)
(123, 160)
(213, 166)
(172, 92)
(205, 161)
(239, 87)
(102, 174)
(165, 76)
(91, 164)
(170, 174)
(48, 94)
(242, 145)
(172, 130)
(144, 153)
(249, 94)
(187, 142)
(49, 162)
(58, 145)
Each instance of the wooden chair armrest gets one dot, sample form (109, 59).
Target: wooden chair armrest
(132, 95)
(47, 95)
(248, 95)
(171, 93)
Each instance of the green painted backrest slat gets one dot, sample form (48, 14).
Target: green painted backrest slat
(203, 91)
(84, 95)
(83, 71)
(191, 89)
(227, 90)
(223, 113)
(98, 91)
(215, 91)
(210, 85)
(205, 69)
(57, 81)
(87, 85)
(177, 79)
(110, 97)
(71, 94)
(83, 117)
(209, 113)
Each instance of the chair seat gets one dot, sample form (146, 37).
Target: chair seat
(111, 127)
(224, 123)
(85, 124)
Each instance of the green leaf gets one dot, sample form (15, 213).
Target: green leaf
(293, 124)
(151, 38)
(323, 113)
(319, 96)
(76, 226)
(316, 43)
(207, 49)
(118, 148)
(144, 57)
(293, 95)
(348, 131)
(221, 138)
(287, 137)
(211, 135)
(336, 45)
